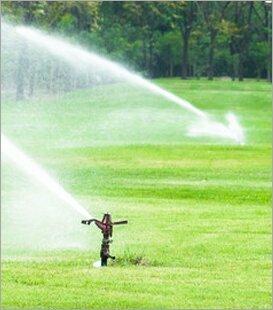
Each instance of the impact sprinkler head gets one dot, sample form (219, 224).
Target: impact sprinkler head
(106, 227)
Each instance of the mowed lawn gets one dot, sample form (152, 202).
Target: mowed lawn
(199, 211)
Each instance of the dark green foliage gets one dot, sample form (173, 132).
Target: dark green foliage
(174, 38)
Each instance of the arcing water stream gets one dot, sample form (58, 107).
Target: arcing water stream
(78, 57)
(32, 169)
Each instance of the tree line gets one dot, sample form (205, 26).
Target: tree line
(164, 38)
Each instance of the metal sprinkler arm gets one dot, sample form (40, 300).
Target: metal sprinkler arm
(88, 222)
(120, 222)
(106, 227)
(100, 224)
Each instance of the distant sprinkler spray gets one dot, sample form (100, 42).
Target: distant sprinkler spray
(106, 227)
(76, 56)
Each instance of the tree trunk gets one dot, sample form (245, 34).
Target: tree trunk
(211, 56)
(55, 79)
(31, 81)
(233, 74)
(19, 82)
(145, 60)
(258, 74)
(49, 77)
(241, 68)
(268, 73)
(171, 68)
(150, 50)
(20, 73)
(269, 42)
(184, 59)
(235, 64)
(150, 64)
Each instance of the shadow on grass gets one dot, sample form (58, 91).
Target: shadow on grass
(135, 259)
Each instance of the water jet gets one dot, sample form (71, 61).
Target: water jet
(84, 61)
(33, 170)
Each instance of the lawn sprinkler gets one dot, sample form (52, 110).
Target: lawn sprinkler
(106, 227)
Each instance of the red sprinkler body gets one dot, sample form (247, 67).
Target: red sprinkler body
(106, 227)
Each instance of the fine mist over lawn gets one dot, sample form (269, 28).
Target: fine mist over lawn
(154, 114)
(199, 210)
(59, 66)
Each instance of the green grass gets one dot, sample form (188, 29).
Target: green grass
(199, 233)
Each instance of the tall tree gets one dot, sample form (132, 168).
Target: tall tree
(150, 22)
(186, 17)
(213, 13)
(263, 12)
(241, 14)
